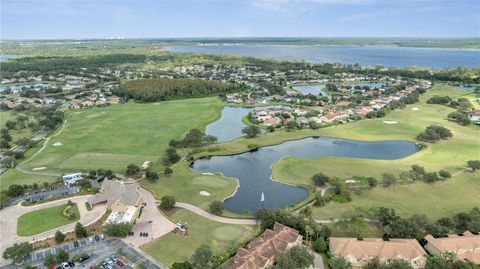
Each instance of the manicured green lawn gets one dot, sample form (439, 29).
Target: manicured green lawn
(114, 136)
(186, 186)
(172, 247)
(43, 220)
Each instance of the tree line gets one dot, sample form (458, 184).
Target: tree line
(161, 89)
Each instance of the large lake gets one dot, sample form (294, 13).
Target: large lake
(367, 56)
(253, 169)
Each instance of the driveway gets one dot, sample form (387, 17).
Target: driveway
(9, 217)
(151, 221)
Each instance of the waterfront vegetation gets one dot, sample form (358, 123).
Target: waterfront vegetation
(46, 219)
(175, 247)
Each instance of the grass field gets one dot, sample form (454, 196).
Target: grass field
(43, 220)
(172, 247)
(113, 137)
(186, 186)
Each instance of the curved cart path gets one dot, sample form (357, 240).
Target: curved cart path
(213, 217)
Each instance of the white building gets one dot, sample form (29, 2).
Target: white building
(72, 178)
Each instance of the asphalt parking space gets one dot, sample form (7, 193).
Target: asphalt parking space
(98, 251)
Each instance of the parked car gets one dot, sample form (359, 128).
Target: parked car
(114, 258)
(84, 258)
(90, 239)
(76, 243)
(97, 238)
(102, 236)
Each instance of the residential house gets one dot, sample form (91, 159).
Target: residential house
(360, 252)
(474, 116)
(261, 251)
(464, 247)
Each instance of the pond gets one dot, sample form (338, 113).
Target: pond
(254, 169)
(230, 124)
(467, 87)
(17, 87)
(312, 89)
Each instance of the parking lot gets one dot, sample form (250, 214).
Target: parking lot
(98, 251)
(45, 193)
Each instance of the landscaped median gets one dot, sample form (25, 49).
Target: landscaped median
(46, 219)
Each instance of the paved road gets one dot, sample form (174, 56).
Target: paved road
(216, 218)
(9, 217)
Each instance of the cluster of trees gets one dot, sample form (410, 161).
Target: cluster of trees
(80, 231)
(18, 252)
(433, 262)
(273, 89)
(339, 192)
(307, 227)
(295, 257)
(50, 260)
(417, 226)
(434, 133)
(161, 89)
(216, 207)
(167, 202)
(100, 174)
(463, 106)
(194, 138)
(171, 156)
(67, 65)
(251, 131)
(117, 230)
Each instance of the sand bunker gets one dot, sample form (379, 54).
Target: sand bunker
(207, 174)
(39, 168)
(76, 113)
(205, 193)
(415, 108)
(390, 122)
(57, 144)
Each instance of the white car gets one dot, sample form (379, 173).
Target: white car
(90, 240)
(65, 265)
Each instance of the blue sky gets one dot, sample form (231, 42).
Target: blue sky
(54, 19)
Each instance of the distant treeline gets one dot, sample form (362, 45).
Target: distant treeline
(46, 65)
(75, 65)
(160, 89)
